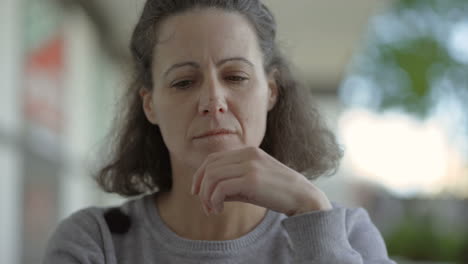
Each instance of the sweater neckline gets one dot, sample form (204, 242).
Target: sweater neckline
(162, 233)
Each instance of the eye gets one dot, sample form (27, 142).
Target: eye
(185, 84)
(236, 78)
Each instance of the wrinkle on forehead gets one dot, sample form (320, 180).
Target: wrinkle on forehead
(231, 36)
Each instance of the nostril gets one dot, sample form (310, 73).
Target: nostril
(213, 110)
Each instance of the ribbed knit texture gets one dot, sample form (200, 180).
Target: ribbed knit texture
(337, 236)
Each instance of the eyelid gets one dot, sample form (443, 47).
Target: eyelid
(237, 73)
(174, 84)
(181, 74)
(243, 78)
(183, 77)
(240, 74)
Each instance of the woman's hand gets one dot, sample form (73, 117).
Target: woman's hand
(251, 175)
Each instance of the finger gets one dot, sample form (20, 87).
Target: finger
(224, 157)
(231, 188)
(215, 175)
(199, 173)
(197, 178)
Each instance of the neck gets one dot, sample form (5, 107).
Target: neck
(184, 215)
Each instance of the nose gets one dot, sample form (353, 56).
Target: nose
(212, 99)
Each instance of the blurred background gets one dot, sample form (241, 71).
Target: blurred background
(389, 76)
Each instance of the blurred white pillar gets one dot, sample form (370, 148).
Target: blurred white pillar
(81, 57)
(10, 122)
(10, 66)
(10, 204)
(91, 86)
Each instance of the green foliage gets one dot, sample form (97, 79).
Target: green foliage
(416, 58)
(416, 239)
(403, 71)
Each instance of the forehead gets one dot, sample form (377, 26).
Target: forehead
(206, 34)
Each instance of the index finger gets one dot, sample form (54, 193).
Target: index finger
(197, 178)
(230, 156)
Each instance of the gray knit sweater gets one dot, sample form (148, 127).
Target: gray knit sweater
(134, 233)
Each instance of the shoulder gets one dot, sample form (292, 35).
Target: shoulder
(91, 222)
(77, 239)
(86, 235)
(82, 224)
(116, 219)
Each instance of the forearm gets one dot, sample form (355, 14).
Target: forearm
(325, 237)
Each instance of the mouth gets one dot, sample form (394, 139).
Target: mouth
(214, 132)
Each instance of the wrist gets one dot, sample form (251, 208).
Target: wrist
(310, 201)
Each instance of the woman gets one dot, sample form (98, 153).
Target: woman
(215, 134)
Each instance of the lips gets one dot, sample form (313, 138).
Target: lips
(214, 132)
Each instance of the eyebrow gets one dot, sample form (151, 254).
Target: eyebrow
(197, 66)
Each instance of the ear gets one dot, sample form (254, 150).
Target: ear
(272, 89)
(147, 100)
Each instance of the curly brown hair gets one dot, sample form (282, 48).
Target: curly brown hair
(295, 133)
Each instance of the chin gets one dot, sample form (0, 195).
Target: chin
(211, 148)
(217, 143)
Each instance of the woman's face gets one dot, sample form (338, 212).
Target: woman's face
(208, 75)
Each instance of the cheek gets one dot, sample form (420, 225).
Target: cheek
(172, 122)
(258, 105)
(253, 111)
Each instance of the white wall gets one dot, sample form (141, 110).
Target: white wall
(10, 121)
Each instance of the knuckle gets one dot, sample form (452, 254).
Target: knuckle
(255, 152)
(253, 166)
(209, 168)
(254, 180)
(221, 189)
(212, 156)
